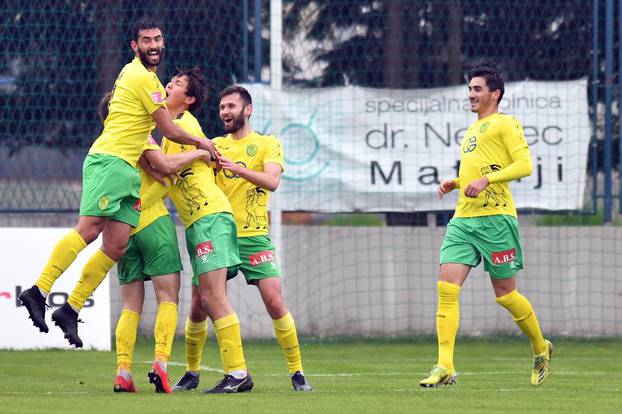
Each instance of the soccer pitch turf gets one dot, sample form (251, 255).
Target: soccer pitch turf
(348, 376)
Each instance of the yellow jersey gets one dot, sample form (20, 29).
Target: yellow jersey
(158, 209)
(249, 202)
(195, 194)
(137, 94)
(495, 147)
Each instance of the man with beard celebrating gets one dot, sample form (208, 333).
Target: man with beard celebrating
(251, 164)
(110, 201)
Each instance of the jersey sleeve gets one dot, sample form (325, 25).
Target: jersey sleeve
(150, 92)
(274, 153)
(517, 147)
(151, 144)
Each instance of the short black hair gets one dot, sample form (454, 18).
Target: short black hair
(197, 86)
(144, 23)
(102, 106)
(231, 89)
(494, 81)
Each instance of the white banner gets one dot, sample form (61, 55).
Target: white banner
(362, 149)
(24, 253)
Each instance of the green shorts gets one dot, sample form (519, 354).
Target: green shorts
(110, 188)
(212, 244)
(151, 252)
(495, 238)
(258, 258)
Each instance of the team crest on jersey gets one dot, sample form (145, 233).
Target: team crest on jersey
(251, 150)
(157, 97)
(484, 127)
(103, 203)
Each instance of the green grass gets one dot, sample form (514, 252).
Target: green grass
(348, 376)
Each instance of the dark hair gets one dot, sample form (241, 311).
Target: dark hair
(493, 79)
(102, 106)
(144, 23)
(230, 90)
(197, 86)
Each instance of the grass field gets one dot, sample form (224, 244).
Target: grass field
(348, 376)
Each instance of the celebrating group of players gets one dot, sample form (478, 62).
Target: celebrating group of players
(220, 189)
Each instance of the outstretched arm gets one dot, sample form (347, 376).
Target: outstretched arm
(169, 164)
(172, 131)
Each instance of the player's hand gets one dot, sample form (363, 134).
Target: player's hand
(208, 145)
(445, 187)
(230, 165)
(206, 157)
(475, 187)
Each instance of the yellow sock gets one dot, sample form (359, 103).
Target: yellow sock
(227, 332)
(286, 336)
(447, 322)
(196, 335)
(164, 330)
(125, 337)
(93, 273)
(525, 318)
(63, 255)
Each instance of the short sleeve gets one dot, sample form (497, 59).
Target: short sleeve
(274, 153)
(150, 92)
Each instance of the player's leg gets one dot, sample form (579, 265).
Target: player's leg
(63, 255)
(90, 225)
(158, 242)
(458, 256)
(260, 268)
(131, 281)
(227, 330)
(110, 189)
(195, 337)
(284, 330)
(213, 248)
(452, 276)
(133, 295)
(502, 259)
(116, 235)
(167, 295)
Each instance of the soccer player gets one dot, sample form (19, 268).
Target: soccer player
(485, 225)
(111, 181)
(252, 165)
(152, 254)
(212, 246)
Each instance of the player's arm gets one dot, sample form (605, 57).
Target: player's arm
(172, 131)
(447, 186)
(521, 165)
(169, 164)
(157, 175)
(269, 179)
(154, 193)
(518, 149)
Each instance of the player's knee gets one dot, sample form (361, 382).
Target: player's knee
(275, 307)
(114, 250)
(89, 233)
